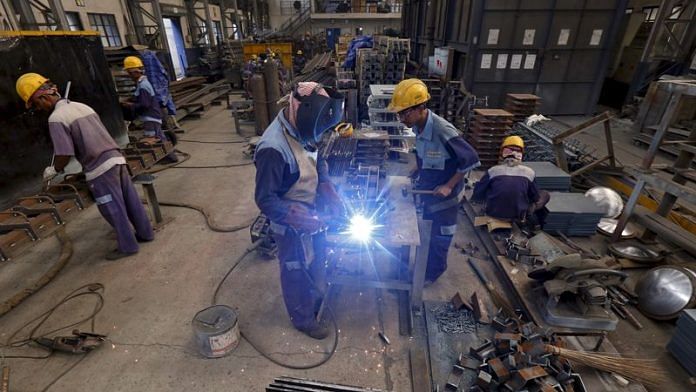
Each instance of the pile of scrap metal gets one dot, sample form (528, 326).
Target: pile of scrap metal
(192, 94)
(37, 217)
(290, 384)
(539, 146)
(320, 69)
(517, 359)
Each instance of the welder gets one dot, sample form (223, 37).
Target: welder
(145, 104)
(76, 131)
(291, 185)
(509, 190)
(443, 158)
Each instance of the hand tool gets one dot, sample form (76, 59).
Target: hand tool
(405, 191)
(78, 343)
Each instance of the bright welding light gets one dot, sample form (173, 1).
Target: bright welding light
(361, 228)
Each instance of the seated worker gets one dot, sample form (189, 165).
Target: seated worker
(443, 158)
(145, 104)
(77, 131)
(290, 180)
(508, 189)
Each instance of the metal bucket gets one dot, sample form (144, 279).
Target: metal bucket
(216, 331)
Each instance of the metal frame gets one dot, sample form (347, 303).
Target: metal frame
(27, 19)
(673, 188)
(664, 35)
(559, 147)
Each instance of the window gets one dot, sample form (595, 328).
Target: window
(106, 25)
(650, 13)
(217, 30)
(74, 22)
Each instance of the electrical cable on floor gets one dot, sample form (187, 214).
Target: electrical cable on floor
(208, 218)
(186, 157)
(214, 142)
(331, 352)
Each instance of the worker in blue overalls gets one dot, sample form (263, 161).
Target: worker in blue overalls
(289, 182)
(443, 158)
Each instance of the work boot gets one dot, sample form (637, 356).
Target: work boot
(117, 254)
(317, 331)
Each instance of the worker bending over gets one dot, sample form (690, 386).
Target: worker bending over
(76, 130)
(443, 158)
(509, 190)
(145, 105)
(289, 180)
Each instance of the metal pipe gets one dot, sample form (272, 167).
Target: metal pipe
(258, 93)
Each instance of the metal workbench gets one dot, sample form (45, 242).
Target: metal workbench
(402, 241)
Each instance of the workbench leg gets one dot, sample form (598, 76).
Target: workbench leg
(628, 210)
(424, 227)
(153, 202)
(403, 274)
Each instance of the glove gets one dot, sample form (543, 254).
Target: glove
(332, 200)
(303, 220)
(49, 173)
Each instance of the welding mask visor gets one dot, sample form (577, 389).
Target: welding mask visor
(318, 113)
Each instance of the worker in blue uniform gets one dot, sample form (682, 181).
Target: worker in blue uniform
(509, 190)
(290, 184)
(443, 158)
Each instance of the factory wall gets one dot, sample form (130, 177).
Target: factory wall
(348, 26)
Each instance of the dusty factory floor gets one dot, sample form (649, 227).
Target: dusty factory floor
(151, 298)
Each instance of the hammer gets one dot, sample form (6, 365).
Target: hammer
(405, 191)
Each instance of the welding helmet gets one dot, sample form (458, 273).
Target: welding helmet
(317, 113)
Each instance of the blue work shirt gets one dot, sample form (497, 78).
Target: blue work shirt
(508, 190)
(441, 152)
(147, 106)
(277, 169)
(158, 77)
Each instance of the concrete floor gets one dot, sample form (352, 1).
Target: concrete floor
(152, 297)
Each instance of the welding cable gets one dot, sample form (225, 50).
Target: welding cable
(66, 253)
(214, 142)
(187, 156)
(208, 218)
(331, 352)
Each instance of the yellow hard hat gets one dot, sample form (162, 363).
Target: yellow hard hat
(27, 85)
(511, 141)
(408, 93)
(131, 62)
(299, 52)
(344, 129)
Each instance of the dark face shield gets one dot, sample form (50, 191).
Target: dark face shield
(318, 113)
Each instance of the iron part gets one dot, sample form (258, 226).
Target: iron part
(663, 292)
(636, 252)
(607, 226)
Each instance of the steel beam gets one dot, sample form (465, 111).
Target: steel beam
(209, 24)
(59, 14)
(10, 14)
(27, 21)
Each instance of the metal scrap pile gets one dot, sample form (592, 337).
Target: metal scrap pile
(319, 69)
(516, 359)
(538, 145)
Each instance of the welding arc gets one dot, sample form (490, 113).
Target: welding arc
(66, 253)
(208, 218)
(331, 352)
(644, 371)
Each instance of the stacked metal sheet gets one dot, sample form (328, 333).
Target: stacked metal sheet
(683, 343)
(522, 105)
(549, 176)
(488, 129)
(572, 214)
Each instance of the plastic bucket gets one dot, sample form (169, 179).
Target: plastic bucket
(216, 331)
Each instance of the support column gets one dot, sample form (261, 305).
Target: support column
(9, 13)
(138, 21)
(209, 24)
(223, 21)
(59, 14)
(192, 21)
(235, 8)
(27, 21)
(255, 22)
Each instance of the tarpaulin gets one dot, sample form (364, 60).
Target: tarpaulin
(364, 41)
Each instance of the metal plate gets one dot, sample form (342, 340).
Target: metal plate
(607, 226)
(665, 291)
(635, 252)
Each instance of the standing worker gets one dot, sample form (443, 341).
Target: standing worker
(289, 180)
(443, 158)
(509, 189)
(76, 130)
(298, 62)
(144, 104)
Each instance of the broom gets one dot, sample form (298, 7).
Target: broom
(644, 371)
